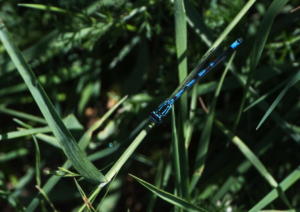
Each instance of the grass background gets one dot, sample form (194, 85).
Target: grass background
(95, 69)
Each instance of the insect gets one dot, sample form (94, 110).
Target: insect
(162, 110)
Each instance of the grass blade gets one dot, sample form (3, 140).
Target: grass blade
(259, 44)
(22, 115)
(179, 160)
(291, 83)
(248, 154)
(122, 159)
(206, 133)
(83, 142)
(272, 195)
(172, 199)
(181, 50)
(65, 138)
(44, 7)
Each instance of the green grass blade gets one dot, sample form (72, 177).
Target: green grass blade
(37, 162)
(230, 27)
(83, 196)
(258, 46)
(68, 143)
(179, 160)
(85, 139)
(222, 37)
(172, 199)
(113, 171)
(160, 171)
(264, 31)
(263, 97)
(22, 183)
(44, 7)
(23, 132)
(181, 50)
(248, 154)
(291, 83)
(196, 22)
(23, 115)
(13, 154)
(289, 130)
(128, 152)
(124, 52)
(272, 195)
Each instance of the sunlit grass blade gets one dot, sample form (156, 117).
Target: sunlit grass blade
(52, 9)
(291, 83)
(113, 171)
(128, 152)
(172, 199)
(44, 7)
(272, 195)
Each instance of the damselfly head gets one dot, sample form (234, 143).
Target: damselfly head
(236, 43)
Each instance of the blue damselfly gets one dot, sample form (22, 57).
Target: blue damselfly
(163, 109)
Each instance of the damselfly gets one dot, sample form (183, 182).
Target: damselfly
(163, 109)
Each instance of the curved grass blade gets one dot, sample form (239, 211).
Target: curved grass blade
(170, 198)
(291, 83)
(65, 138)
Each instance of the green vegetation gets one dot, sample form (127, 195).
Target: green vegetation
(79, 79)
